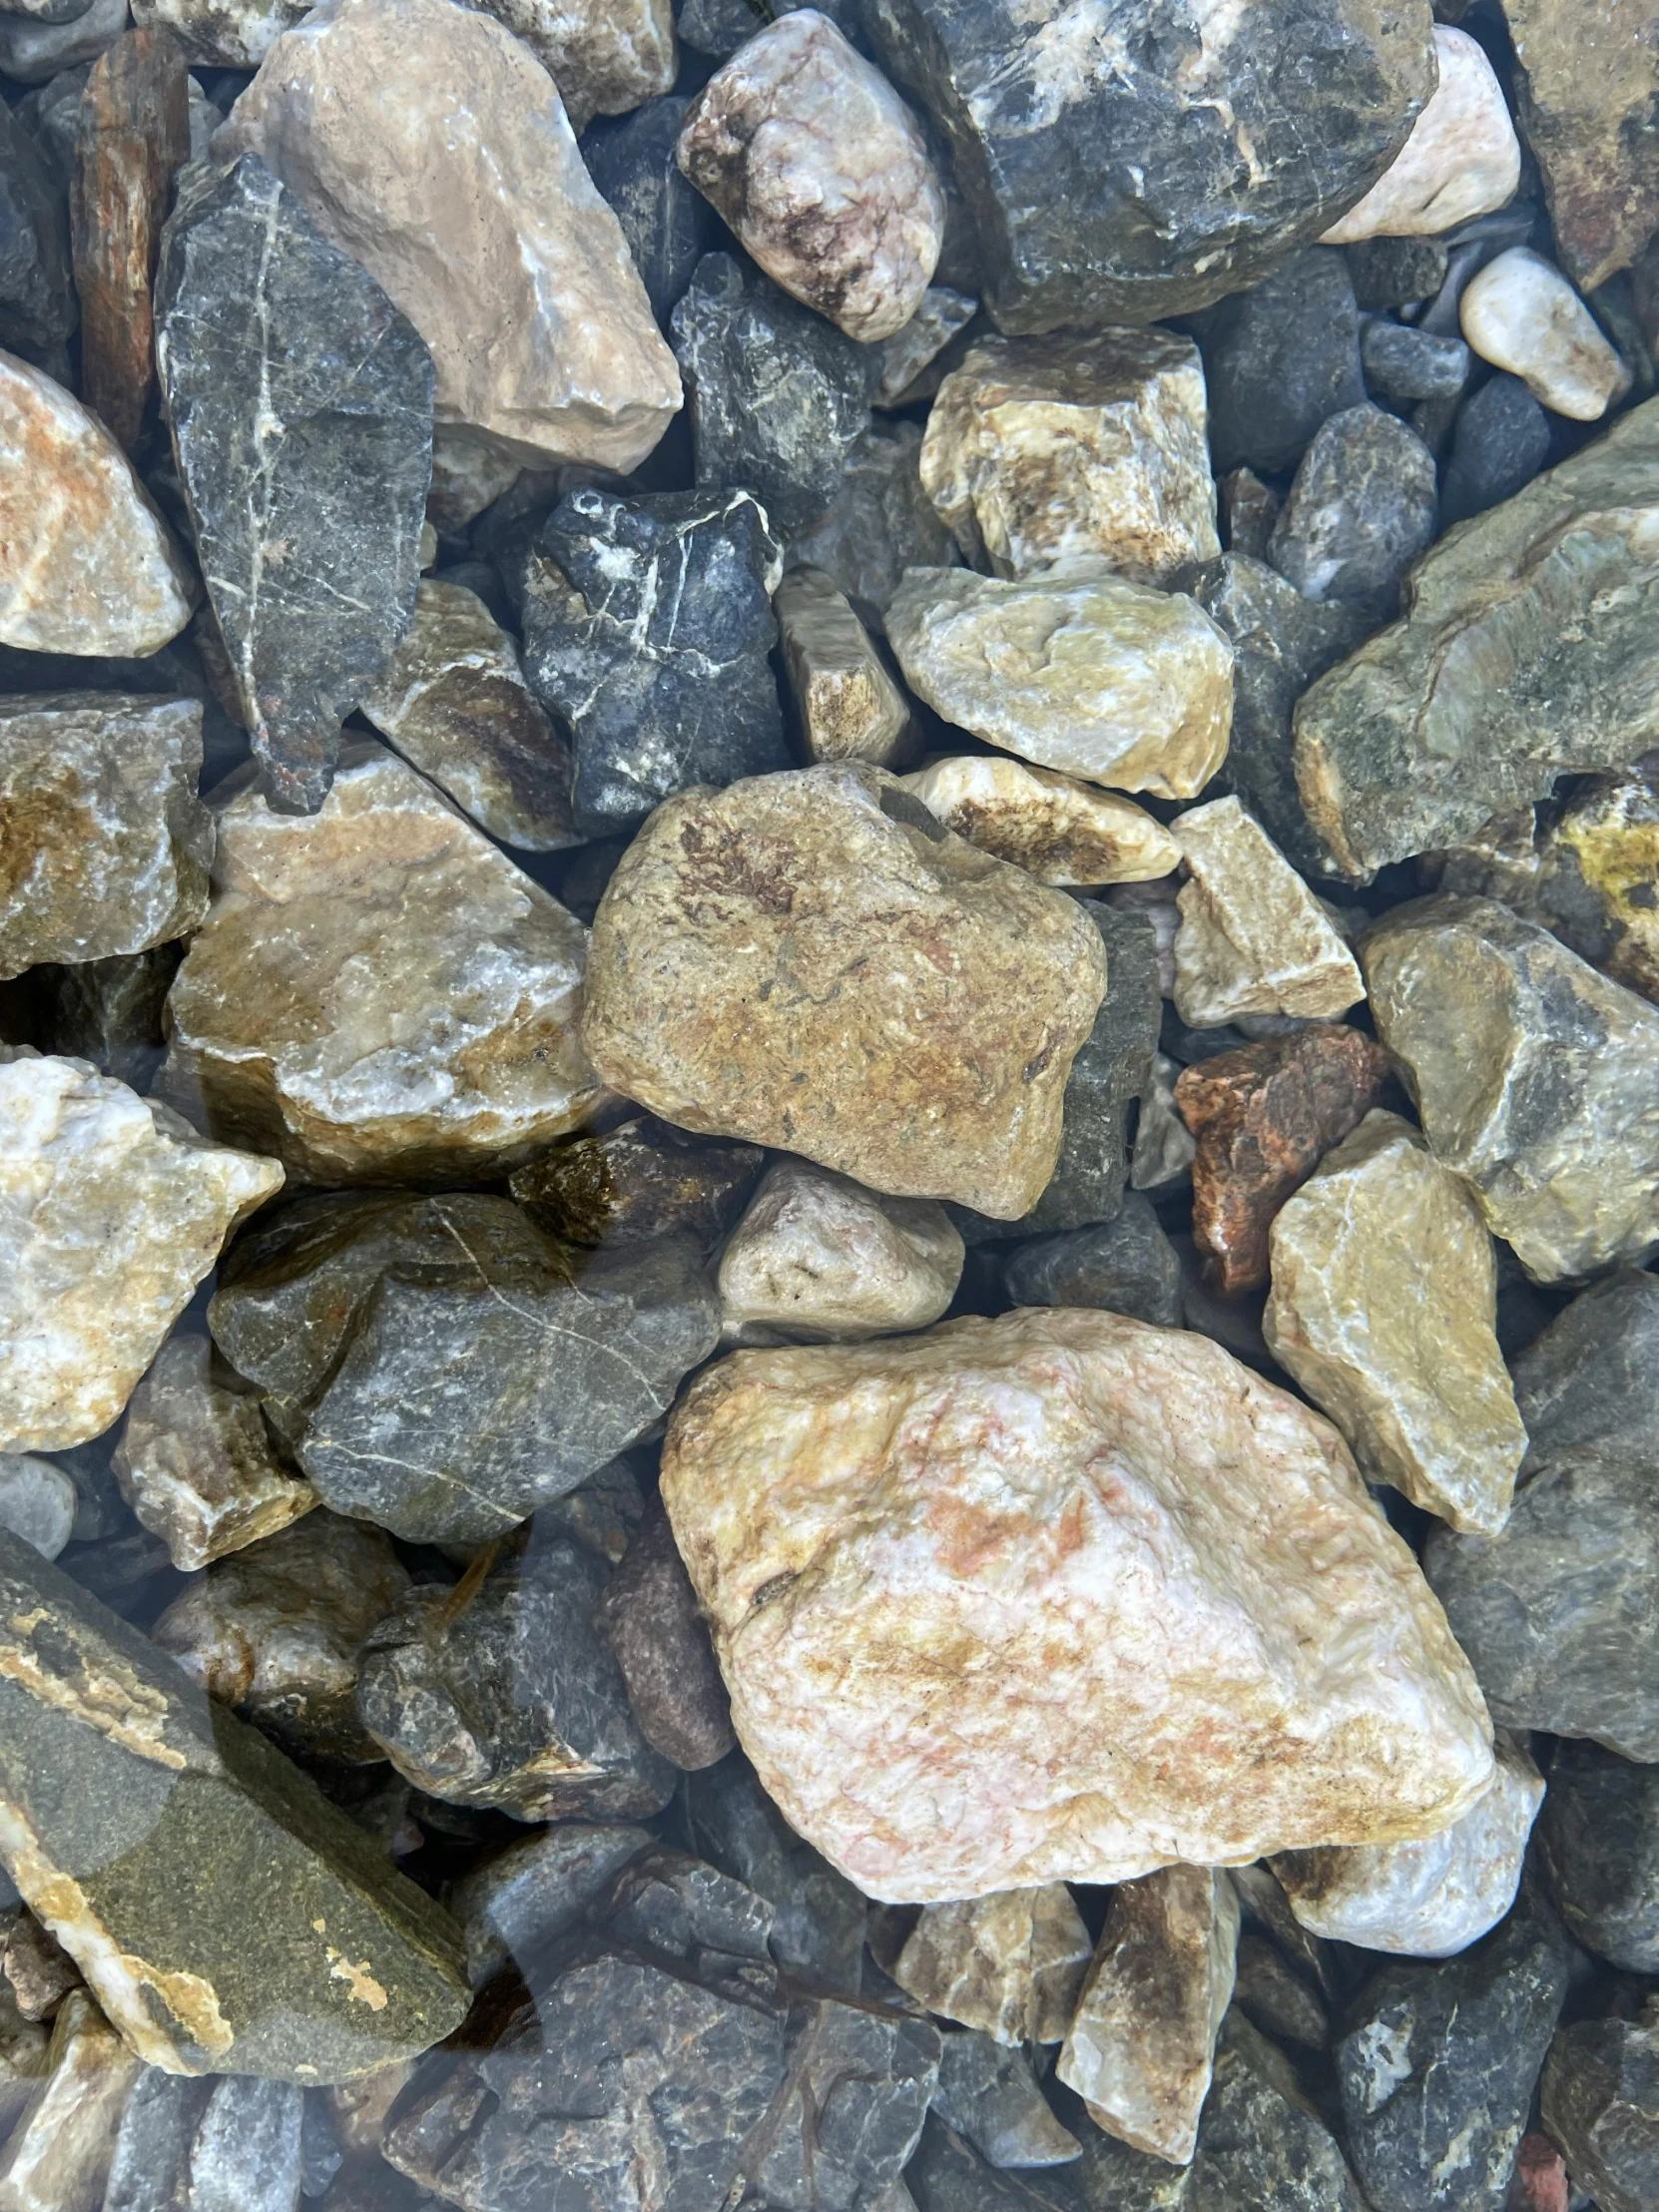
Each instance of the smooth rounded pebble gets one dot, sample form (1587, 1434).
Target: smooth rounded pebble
(1520, 313)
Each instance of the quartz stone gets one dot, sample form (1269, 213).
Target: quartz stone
(991, 2096)
(515, 1904)
(1126, 1265)
(1010, 1964)
(880, 521)
(58, 2155)
(1462, 157)
(37, 289)
(721, 995)
(1363, 505)
(1253, 938)
(805, 149)
(1057, 829)
(378, 992)
(38, 1501)
(667, 224)
(642, 1180)
(1521, 315)
(1076, 668)
(674, 1687)
(1600, 2086)
(819, 1917)
(1038, 450)
(1403, 363)
(1281, 358)
(846, 704)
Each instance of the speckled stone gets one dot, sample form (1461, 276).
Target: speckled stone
(1363, 505)
(1010, 1964)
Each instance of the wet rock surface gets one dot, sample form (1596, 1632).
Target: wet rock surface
(1598, 2096)
(642, 1180)
(1596, 1843)
(1253, 938)
(650, 1613)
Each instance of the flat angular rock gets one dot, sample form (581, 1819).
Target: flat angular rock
(1364, 506)
(1253, 938)
(668, 1664)
(378, 992)
(150, 2169)
(880, 521)
(1123, 176)
(647, 626)
(1029, 1781)
(846, 704)
(515, 1904)
(442, 1367)
(496, 244)
(37, 287)
(1279, 359)
(1076, 668)
(60, 2151)
(669, 225)
(819, 1917)
(1126, 1265)
(1521, 315)
(1057, 829)
(1461, 159)
(107, 845)
(854, 2098)
(1600, 2084)
(1038, 450)
(726, 899)
(821, 172)
(1599, 1846)
(1010, 1964)
(642, 1180)
(990, 2096)
(1533, 1075)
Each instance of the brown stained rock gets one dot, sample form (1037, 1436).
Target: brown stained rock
(39, 1969)
(848, 706)
(133, 132)
(1277, 2000)
(636, 1182)
(1009, 1965)
(662, 1646)
(1262, 1117)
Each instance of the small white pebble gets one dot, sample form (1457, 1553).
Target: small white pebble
(1520, 313)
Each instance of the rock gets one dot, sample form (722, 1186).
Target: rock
(1597, 877)
(1562, 1152)
(40, 1972)
(1277, 2000)
(1599, 1845)
(37, 289)
(818, 1259)
(1395, 271)
(1501, 442)
(1437, 2068)
(110, 1011)
(821, 170)
(1097, 1787)
(1522, 658)
(948, 2174)
(914, 360)
(1253, 938)
(720, 887)
(679, 1907)
(276, 1630)
(778, 396)
(1363, 505)
(34, 51)
(880, 521)
(1384, 1310)
(605, 56)
(1164, 1145)
(1539, 2182)
(1402, 363)
(1107, 183)
(1599, 2088)
(1462, 157)
(454, 700)
(855, 2099)
(647, 626)
(517, 1904)
(1521, 315)
(1057, 829)
(846, 704)
(377, 993)
(87, 565)
(1010, 1964)
(636, 1182)
(1281, 358)
(991, 2096)
(1249, 510)
(667, 223)
(242, 2150)
(668, 1664)
(1127, 1266)
(507, 1694)
(439, 1367)
(1075, 669)
(720, 27)
(107, 844)
(1262, 1117)
(58, 2155)
(150, 2169)
(1557, 1613)
(38, 1503)
(1040, 450)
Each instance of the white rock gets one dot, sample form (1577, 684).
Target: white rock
(37, 1502)
(1461, 159)
(430, 145)
(818, 1259)
(1431, 1898)
(1253, 938)
(112, 1210)
(1010, 1964)
(1520, 313)
(1165, 1147)
(822, 170)
(1057, 829)
(848, 707)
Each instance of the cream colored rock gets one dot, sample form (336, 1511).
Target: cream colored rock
(1060, 1596)
(1384, 1309)
(818, 1259)
(805, 961)
(112, 1210)
(87, 565)
(1520, 313)
(377, 992)
(1253, 938)
(809, 155)
(1044, 449)
(1461, 159)
(848, 707)
(1165, 1147)
(1057, 829)
(1010, 1964)
(1143, 2043)
(1431, 1898)
(1076, 670)
(57, 2158)
(428, 143)
(605, 56)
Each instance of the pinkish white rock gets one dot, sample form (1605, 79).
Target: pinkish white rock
(1461, 159)
(1520, 313)
(1010, 1964)
(1253, 938)
(1056, 829)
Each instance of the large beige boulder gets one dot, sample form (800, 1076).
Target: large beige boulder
(1060, 1596)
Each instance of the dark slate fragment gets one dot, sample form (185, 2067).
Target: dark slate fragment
(1276, 2000)
(301, 403)
(1250, 508)
(517, 1903)
(668, 223)
(151, 2168)
(641, 1179)
(647, 627)
(1405, 363)
(859, 2083)
(1598, 1842)
(1127, 1264)
(662, 1646)
(1279, 359)
(948, 2175)
(1261, 2146)
(109, 1011)
(880, 523)
(990, 2096)
(666, 1901)
(1364, 506)
(1601, 2105)
(1499, 444)
(1392, 272)
(37, 293)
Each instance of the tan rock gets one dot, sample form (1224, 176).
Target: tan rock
(1520, 313)
(1384, 1309)
(105, 846)
(804, 960)
(1049, 1598)
(1143, 2043)
(1057, 829)
(1010, 1964)
(1609, 838)
(1429, 1898)
(809, 155)
(454, 700)
(605, 56)
(112, 1210)
(57, 2158)
(848, 707)
(1043, 449)
(377, 992)
(87, 565)
(1076, 670)
(1253, 938)
(818, 1259)
(1461, 159)
(1165, 1147)
(430, 145)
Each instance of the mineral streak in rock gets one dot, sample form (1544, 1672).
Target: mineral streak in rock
(1057, 829)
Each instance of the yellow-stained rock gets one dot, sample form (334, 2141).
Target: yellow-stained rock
(58, 2156)
(1056, 829)
(1253, 938)
(849, 708)
(1010, 1964)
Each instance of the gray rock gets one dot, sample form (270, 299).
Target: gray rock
(33, 50)
(669, 225)
(1279, 359)
(109, 1011)
(37, 291)
(1501, 442)
(1601, 2098)
(880, 521)
(947, 2174)
(1402, 362)
(990, 2096)
(247, 2154)
(1250, 509)
(1126, 1265)
(1276, 2000)
(1598, 1842)
(662, 1646)
(642, 1180)
(668, 1902)
(149, 2172)
(320, 2156)
(1364, 506)
(301, 403)
(855, 2097)
(517, 1903)
(1393, 273)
